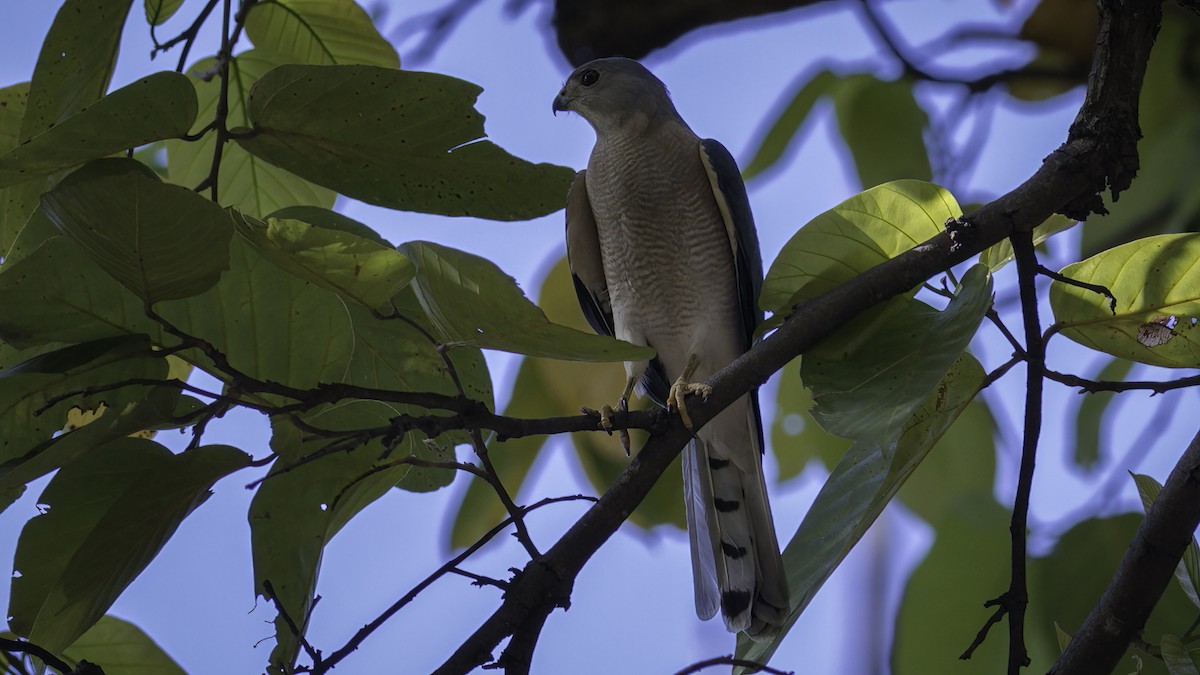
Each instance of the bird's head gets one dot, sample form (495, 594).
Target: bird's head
(613, 92)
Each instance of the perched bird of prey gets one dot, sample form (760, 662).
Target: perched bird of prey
(663, 252)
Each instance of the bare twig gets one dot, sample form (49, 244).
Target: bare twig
(729, 660)
(269, 593)
(25, 647)
(1092, 386)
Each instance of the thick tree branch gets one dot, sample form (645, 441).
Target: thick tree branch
(1142, 576)
(1095, 155)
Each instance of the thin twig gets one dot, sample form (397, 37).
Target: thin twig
(729, 660)
(269, 593)
(1092, 386)
(25, 647)
(1095, 288)
(354, 642)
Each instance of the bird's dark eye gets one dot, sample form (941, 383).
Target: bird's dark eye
(589, 77)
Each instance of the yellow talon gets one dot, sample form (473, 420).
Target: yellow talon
(681, 388)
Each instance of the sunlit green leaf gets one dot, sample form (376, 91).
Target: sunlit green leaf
(158, 11)
(782, 132)
(1064, 638)
(404, 140)
(883, 126)
(320, 32)
(472, 302)
(854, 236)
(107, 515)
(870, 394)
(161, 241)
(357, 268)
(861, 485)
(122, 648)
(162, 105)
(76, 62)
(1158, 301)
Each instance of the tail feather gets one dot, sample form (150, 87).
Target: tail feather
(727, 506)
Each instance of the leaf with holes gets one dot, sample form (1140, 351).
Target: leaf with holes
(1158, 301)
(399, 139)
(108, 514)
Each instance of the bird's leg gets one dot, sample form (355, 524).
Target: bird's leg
(605, 413)
(682, 387)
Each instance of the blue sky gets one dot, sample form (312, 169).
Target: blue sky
(632, 604)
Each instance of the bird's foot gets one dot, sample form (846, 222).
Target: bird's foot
(606, 414)
(681, 388)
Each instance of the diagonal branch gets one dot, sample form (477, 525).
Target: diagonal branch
(1095, 156)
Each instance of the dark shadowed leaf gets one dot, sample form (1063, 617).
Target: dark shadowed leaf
(1093, 415)
(1158, 301)
(162, 105)
(320, 32)
(245, 182)
(797, 438)
(122, 648)
(76, 62)
(161, 241)
(404, 140)
(107, 515)
(472, 302)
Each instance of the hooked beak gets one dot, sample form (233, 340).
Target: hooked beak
(562, 102)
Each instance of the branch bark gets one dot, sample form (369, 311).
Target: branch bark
(1100, 152)
(1142, 576)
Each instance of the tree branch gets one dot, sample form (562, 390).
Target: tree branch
(1093, 157)
(1142, 576)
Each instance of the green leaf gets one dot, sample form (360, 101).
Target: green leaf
(27, 387)
(472, 302)
(162, 105)
(76, 62)
(1000, 254)
(797, 438)
(1158, 301)
(1176, 657)
(270, 324)
(158, 11)
(320, 32)
(122, 649)
(244, 181)
(941, 609)
(857, 491)
(854, 236)
(332, 220)
(18, 202)
(356, 268)
(962, 464)
(1187, 572)
(161, 241)
(108, 514)
(787, 125)
(1064, 638)
(296, 513)
(12, 108)
(869, 394)
(403, 140)
(1089, 423)
(883, 126)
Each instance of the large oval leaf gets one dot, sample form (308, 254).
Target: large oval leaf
(854, 236)
(1158, 301)
(883, 126)
(109, 513)
(320, 32)
(404, 140)
(162, 105)
(161, 241)
(472, 302)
